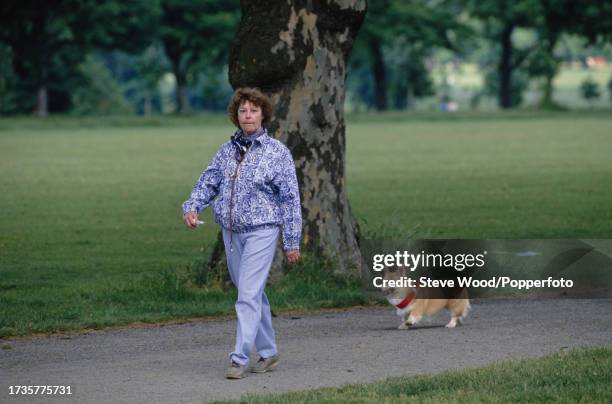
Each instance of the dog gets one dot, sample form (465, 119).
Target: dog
(412, 304)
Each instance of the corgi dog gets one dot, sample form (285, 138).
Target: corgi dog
(412, 304)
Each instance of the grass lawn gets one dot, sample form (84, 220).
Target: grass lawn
(90, 209)
(513, 178)
(581, 375)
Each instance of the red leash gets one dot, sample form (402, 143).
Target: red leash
(407, 299)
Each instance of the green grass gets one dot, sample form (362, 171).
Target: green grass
(158, 296)
(90, 209)
(543, 177)
(580, 375)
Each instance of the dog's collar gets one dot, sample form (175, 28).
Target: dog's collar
(409, 298)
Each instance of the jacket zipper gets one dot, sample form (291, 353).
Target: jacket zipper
(234, 179)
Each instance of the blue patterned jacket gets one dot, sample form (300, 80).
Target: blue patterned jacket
(263, 194)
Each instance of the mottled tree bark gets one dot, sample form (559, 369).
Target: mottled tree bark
(296, 52)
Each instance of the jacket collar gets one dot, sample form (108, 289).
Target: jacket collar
(261, 136)
(264, 138)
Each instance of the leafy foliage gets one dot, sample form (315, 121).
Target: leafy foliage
(196, 33)
(590, 89)
(50, 40)
(99, 94)
(396, 39)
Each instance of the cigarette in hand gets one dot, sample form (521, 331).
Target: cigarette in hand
(199, 222)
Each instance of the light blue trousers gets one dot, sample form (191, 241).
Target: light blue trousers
(249, 258)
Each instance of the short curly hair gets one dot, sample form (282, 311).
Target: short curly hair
(253, 95)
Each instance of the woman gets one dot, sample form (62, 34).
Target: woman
(253, 188)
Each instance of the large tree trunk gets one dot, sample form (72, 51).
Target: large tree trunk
(296, 52)
(547, 94)
(410, 97)
(378, 71)
(182, 101)
(42, 94)
(147, 106)
(42, 101)
(505, 68)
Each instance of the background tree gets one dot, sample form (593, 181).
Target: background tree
(501, 18)
(374, 34)
(421, 28)
(98, 93)
(193, 30)
(410, 78)
(8, 81)
(594, 21)
(297, 53)
(50, 40)
(553, 18)
(407, 32)
(140, 76)
(591, 19)
(589, 90)
(150, 66)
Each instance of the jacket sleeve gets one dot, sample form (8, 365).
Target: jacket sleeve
(289, 201)
(207, 186)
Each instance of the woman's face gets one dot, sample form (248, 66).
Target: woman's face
(249, 117)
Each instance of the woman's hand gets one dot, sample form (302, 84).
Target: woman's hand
(293, 256)
(191, 220)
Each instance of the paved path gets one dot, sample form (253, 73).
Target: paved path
(184, 363)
